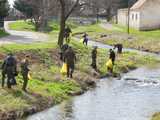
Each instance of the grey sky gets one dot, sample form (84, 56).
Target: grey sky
(11, 2)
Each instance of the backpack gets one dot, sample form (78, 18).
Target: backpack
(10, 61)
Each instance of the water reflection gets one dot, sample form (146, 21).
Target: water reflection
(134, 99)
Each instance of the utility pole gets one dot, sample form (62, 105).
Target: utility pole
(128, 24)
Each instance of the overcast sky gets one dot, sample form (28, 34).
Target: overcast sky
(11, 2)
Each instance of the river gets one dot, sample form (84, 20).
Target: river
(136, 96)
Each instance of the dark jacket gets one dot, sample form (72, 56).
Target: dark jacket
(24, 66)
(94, 53)
(112, 56)
(69, 56)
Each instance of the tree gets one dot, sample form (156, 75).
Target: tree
(4, 8)
(66, 11)
(38, 10)
(24, 7)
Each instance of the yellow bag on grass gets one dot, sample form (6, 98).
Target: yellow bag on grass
(109, 64)
(64, 69)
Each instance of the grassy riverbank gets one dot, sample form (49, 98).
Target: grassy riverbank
(156, 116)
(47, 86)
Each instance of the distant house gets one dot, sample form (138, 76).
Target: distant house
(144, 15)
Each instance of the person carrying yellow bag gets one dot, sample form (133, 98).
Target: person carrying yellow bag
(109, 65)
(64, 69)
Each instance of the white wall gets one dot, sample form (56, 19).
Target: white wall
(122, 17)
(150, 15)
(135, 19)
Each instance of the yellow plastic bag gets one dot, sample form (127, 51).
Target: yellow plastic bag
(81, 40)
(64, 69)
(29, 76)
(109, 64)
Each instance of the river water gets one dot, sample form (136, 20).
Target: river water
(136, 96)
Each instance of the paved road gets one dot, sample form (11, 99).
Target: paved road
(23, 37)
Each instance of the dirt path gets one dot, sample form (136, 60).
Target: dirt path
(23, 37)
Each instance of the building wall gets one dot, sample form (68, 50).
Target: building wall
(145, 18)
(150, 15)
(122, 17)
(135, 19)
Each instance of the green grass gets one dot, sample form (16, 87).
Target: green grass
(144, 40)
(156, 116)
(3, 33)
(22, 26)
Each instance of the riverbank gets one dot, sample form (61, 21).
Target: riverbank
(47, 84)
(156, 116)
(48, 87)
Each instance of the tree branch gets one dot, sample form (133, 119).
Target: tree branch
(72, 9)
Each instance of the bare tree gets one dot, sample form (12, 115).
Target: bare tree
(65, 13)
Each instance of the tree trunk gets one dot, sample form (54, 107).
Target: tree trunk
(62, 28)
(108, 14)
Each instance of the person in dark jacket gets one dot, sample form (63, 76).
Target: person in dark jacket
(70, 58)
(85, 39)
(9, 68)
(119, 48)
(25, 71)
(94, 58)
(67, 33)
(112, 55)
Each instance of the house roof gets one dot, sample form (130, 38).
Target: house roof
(138, 4)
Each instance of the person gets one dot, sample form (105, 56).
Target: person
(25, 71)
(94, 58)
(9, 68)
(63, 49)
(85, 39)
(67, 33)
(70, 58)
(112, 55)
(119, 48)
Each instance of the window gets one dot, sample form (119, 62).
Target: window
(136, 16)
(132, 16)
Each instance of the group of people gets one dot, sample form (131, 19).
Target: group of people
(68, 54)
(112, 57)
(9, 71)
(67, 36)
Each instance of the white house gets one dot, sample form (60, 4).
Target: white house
(144, 15)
